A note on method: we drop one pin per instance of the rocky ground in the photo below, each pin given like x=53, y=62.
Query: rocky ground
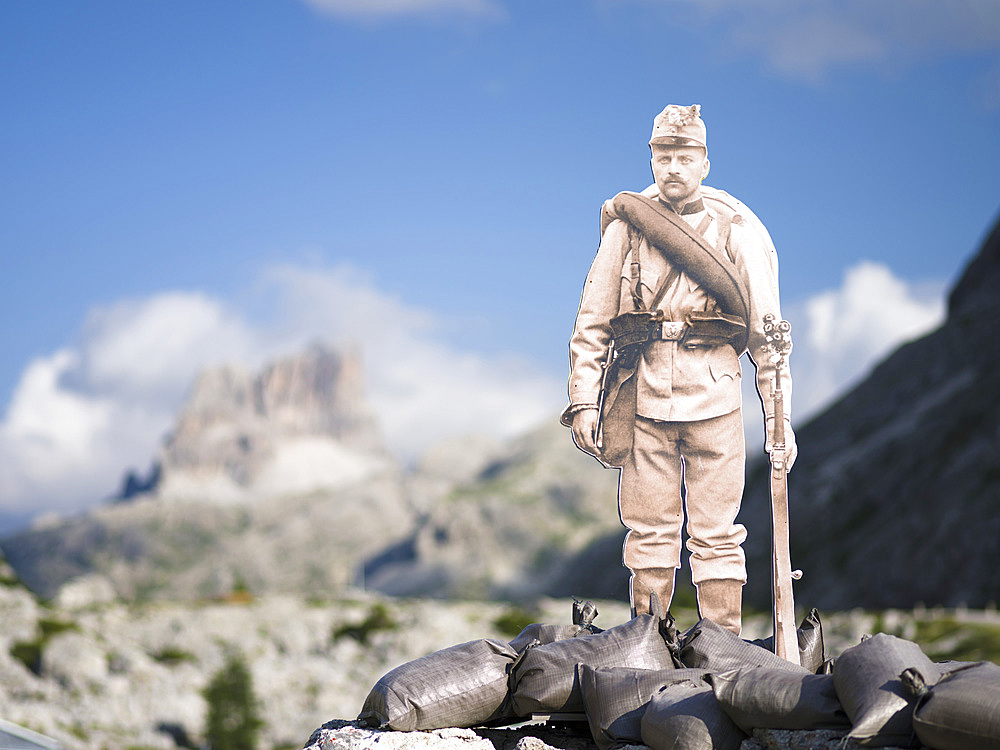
x=345, y=735
x=94, y=672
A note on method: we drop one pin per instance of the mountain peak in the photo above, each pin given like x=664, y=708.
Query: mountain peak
x=301, y=423
x=977, y=288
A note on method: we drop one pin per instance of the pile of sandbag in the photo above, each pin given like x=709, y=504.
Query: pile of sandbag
x=643, y=682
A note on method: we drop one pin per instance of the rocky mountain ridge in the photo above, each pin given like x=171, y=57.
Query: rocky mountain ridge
x=271, y=481
x=895, y=495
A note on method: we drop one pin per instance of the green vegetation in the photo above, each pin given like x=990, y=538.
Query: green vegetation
x=8, y=577
x=51, y=627
x=379, y=618
x=514, y=620
x=943, y=635
x=172, y=655
x=233, y=721
x=949, y=639
x=685, y=595
x=29, y=653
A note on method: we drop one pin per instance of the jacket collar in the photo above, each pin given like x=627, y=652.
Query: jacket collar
x=693, y=207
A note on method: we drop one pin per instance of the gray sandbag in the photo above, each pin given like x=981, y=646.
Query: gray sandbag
x=615, y=698
x=685, y=718
x=809, y=635
x=867, y=678
x=708, y=645
x=460, y=686
x=959, y=712
x=584, y=613
x=543, y=680
x=779, y=699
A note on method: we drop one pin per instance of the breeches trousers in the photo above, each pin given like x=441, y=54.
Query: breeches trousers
x=678, y=467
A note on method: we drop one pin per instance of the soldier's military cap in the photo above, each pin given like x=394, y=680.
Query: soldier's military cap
x=679, y=126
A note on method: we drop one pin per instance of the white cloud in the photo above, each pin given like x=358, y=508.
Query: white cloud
x=83, y=415
x=844, y=332
x=381, y=9
x=839, y=335
x=807, y=38
x=80, y=417
x=421, y=388
x=146, y=350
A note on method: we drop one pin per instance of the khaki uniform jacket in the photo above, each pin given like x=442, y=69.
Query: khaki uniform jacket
x=675, y=383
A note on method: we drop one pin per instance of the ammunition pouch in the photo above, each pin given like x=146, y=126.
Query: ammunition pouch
x=707, y=329
x=632, y=330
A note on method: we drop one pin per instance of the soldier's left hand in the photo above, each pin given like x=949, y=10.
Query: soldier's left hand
x=791, y=449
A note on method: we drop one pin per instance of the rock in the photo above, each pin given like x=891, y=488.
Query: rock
x=20, y=616
x=75, y=661
x=86, y=591
x=345, y=735
x=902, y=470
x=349, y=735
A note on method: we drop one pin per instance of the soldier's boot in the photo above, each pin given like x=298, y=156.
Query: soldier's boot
x=652, y=580
x=721, y=601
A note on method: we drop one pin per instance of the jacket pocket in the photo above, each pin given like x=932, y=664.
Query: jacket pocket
x=723, y=363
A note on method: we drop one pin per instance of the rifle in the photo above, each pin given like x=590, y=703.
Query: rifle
x=785, y=638
x=605, y=366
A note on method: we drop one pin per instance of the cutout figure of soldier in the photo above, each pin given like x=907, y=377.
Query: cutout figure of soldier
x=679, y=288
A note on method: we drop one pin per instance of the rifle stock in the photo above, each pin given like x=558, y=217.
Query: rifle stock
x=786, y=643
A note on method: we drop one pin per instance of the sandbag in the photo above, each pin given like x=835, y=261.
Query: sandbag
x=584, y=613
x=779, y=699
x=615, y=698
x=809, y=635
x=685, y=718
x=961, y=711
x=460, y=686
x=708, y=645
x=867, y=678
x=543, y=680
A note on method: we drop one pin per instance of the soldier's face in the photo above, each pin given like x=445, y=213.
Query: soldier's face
x=678, y=171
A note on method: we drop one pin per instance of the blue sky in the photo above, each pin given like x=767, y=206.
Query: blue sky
x=186, y=183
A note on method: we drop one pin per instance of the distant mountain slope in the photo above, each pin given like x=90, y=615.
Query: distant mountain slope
x=272, y=481
x=515, y=529
x=895, y=497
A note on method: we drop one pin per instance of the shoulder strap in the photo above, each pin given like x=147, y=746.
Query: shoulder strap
x=635, y=270
x=710, y=267
x=670, y=278
x=725, y=231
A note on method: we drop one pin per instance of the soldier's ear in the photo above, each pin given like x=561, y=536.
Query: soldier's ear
x=704, y=171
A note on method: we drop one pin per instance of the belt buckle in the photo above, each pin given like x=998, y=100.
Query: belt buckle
x=672, y=330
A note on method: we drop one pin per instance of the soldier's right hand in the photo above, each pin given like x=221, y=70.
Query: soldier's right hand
x=585, y=430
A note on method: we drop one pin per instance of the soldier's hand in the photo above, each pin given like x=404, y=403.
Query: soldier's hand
x=791, y=449
x=585, y=430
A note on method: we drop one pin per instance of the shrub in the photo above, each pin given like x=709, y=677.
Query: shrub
x=379, y=619
x=172, y=655
x=233, y=721
x=514, y=620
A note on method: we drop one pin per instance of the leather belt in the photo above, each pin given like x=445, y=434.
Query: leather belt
x=671, y=330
